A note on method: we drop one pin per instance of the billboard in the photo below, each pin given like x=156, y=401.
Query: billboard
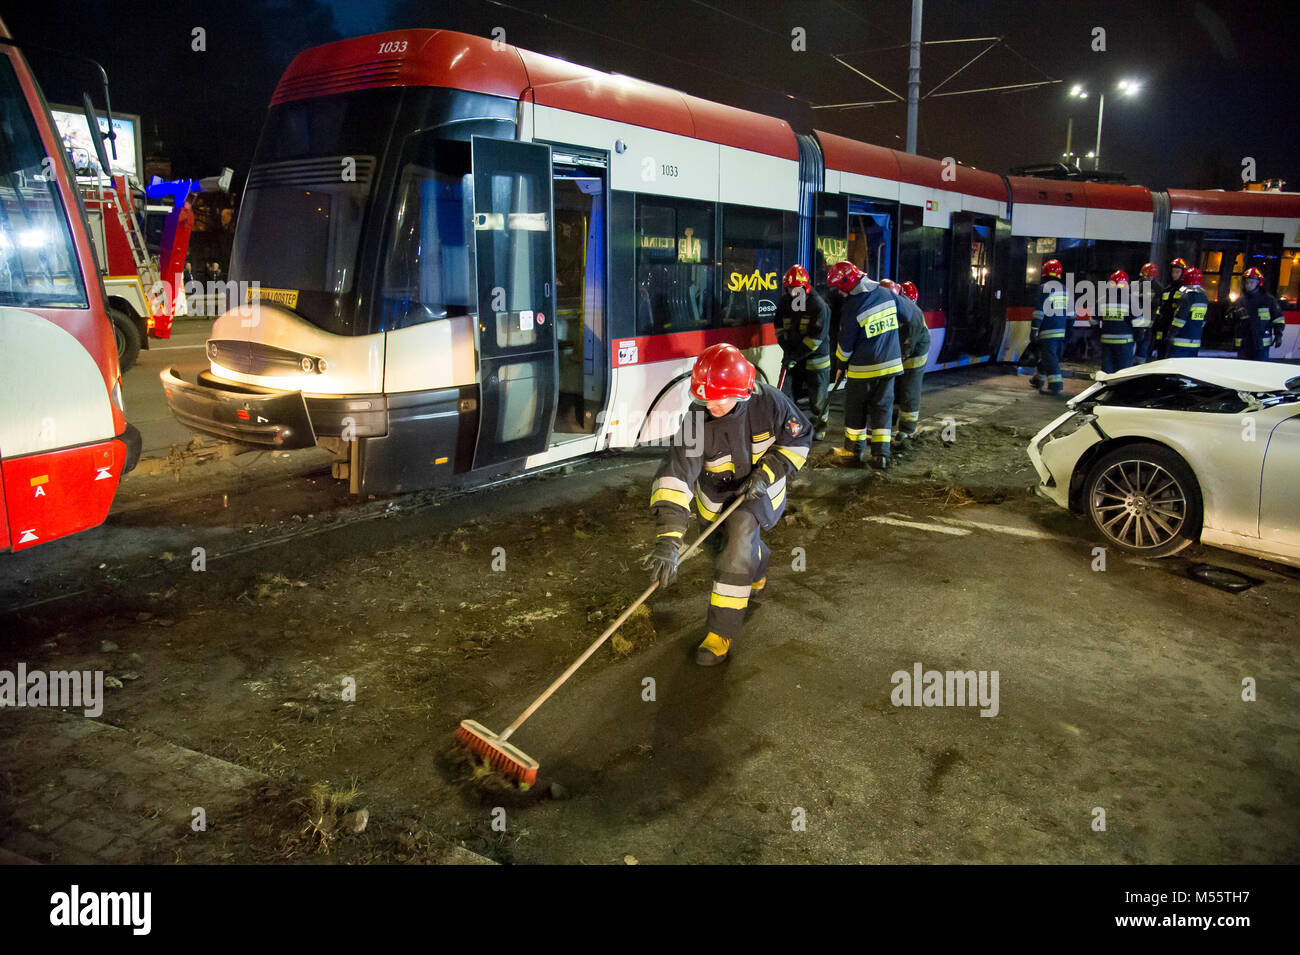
x=71, y=123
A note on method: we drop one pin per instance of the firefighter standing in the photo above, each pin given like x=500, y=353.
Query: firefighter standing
x=1142, y=318
x=914, y=341
x=1169, y=301
x=1049, y=328
x=749, y=439
x=804, y=318
x=1116, y=325
x=1184, y=338
x=869, y=345
x=1260, y=321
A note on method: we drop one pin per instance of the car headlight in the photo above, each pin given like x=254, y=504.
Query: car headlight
x=1071, y=424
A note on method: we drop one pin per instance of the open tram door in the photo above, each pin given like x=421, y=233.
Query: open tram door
x=977, y=306
x=515, y=332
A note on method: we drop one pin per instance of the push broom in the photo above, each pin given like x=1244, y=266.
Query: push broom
x=511, y=761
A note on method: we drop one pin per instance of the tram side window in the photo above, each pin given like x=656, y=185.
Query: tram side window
x=1035, y=252
x=751, y=265
x=1288, y=281
x=429, y=269
x=923, y=259
x=674, y=265
x=38, y=263
x=870, y=235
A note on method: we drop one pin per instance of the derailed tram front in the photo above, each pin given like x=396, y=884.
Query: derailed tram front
x=355, y=281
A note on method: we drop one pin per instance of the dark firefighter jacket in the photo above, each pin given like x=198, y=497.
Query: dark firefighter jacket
x=765, y=431
x=1257, y=315
x=805, y=335
x=1188, y=325
x=1167, y=305
x=913, y=333
x=869, y=333
x=1050, y=318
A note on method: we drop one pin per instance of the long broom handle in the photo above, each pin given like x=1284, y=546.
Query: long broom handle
x=573, y=668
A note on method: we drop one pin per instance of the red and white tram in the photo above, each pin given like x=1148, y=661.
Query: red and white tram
x=472, y=258
x=64, y=439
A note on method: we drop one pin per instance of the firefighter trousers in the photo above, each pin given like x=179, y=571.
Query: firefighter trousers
x=1141, y=345
x=868, y=414
x=813, y=384
x=1116, y=356
x=740, y=560
x=1049, y=364
x=907, y=398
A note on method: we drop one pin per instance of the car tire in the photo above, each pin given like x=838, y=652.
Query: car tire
x=1144, y=499
x=127, y=337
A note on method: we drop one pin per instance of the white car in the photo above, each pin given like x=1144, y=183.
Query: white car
x=1170, y=452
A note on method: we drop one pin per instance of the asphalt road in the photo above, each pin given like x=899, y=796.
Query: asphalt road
x=146, y=406
x=1118, y=732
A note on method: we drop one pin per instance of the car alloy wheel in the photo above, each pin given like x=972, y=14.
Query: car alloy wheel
x=1139, y=505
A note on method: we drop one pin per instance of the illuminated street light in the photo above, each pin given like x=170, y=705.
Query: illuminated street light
x=1127, y=88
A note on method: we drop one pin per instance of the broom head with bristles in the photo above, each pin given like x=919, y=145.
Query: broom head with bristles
x=510, y=761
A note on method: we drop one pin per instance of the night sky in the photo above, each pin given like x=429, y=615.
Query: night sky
x=1215, y=74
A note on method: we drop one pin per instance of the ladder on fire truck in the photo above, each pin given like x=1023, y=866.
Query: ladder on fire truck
x=144, y=266
x=126, y=218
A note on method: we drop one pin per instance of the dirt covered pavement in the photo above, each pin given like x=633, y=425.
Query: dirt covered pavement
x=332, y=668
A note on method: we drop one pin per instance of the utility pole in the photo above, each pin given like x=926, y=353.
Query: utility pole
x=1069, y=135
x=914, y=77
x=1101, y=105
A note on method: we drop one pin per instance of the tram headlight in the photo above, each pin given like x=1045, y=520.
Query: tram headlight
x=308, y=366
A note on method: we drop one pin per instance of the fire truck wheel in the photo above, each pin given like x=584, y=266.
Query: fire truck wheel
x=127, y=337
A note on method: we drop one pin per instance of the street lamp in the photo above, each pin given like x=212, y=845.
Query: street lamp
x=1126, y=88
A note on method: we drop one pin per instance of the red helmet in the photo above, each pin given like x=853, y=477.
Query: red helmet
x=1119, y=277
x=1179, y=263
x=843, y=276
x=797, y=275
x=911, y=291
x=720, y=372
x=1192, y=276
x=891, y=285
x=1253, y=273
x=1150, y=271
x=1052, y=269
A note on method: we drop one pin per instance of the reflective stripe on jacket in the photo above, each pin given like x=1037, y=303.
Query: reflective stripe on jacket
x=1050, y=317
x=805, y=335
x=1186, y=328
x=711, y=458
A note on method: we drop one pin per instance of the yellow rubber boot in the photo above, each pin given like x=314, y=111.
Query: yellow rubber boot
x=712, y=651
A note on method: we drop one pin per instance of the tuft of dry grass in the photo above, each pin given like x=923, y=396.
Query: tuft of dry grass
x=325, y=806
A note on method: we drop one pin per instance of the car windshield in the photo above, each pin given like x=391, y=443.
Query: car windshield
x=38, y=262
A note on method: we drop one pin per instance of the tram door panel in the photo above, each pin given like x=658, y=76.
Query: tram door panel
x=997, y=287
x=970, y=287
x=579, y=296
x=513, y=225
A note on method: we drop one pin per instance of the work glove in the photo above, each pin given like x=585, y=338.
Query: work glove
x=1277, y=339
x=756, y=485
x=662, y=561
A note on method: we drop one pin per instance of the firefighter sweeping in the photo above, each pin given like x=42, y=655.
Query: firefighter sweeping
x=754, y=439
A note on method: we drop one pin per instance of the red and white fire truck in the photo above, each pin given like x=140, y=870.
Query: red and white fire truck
x=114, y=208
